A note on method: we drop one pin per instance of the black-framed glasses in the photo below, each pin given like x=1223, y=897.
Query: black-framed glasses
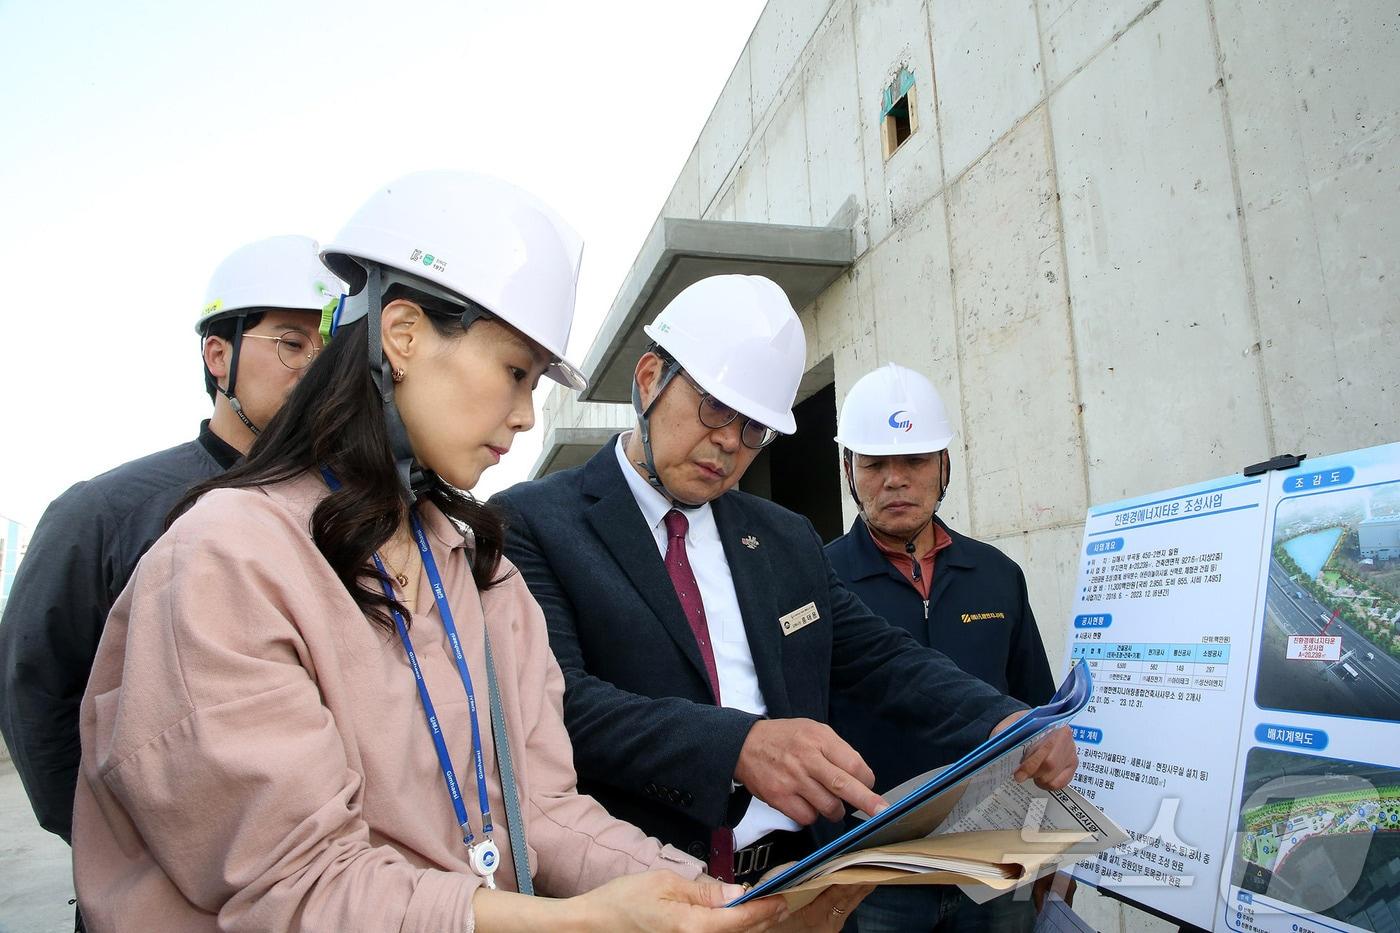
x=294, y=349
x=715, y=414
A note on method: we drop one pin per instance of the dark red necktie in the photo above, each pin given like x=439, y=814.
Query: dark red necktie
x=721, y=861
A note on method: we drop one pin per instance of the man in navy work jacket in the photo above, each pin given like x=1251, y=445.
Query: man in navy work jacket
x=701, y=631
x=949, y=591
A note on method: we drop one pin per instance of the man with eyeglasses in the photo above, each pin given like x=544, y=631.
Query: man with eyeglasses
x=701, y=631
x=259, y=331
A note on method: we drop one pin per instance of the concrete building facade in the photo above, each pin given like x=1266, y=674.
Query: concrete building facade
x=1379, y=538
x=1136, y=243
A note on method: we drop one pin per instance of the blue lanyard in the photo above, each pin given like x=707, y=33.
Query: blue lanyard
x=484, y=856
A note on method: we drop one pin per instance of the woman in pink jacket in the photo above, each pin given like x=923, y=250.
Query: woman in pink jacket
x=306, y=708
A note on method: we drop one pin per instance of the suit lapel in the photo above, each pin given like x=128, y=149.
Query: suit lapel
x=618, y=522
x=753, y=585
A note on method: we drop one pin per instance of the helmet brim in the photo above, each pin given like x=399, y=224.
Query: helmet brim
x=567, y=375
x=894, y=450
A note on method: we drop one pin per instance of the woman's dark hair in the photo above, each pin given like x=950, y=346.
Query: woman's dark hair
x=334, y=418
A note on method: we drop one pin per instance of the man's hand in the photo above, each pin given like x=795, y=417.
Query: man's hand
x=804, y=769
x=1051, y=761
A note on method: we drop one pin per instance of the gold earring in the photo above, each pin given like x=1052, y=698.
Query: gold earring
x=397, y=375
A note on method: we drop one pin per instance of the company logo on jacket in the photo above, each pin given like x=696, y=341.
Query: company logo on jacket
x=981, y=616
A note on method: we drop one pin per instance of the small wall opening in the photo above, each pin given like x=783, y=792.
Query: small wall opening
x=796, y=470
x=900, y=117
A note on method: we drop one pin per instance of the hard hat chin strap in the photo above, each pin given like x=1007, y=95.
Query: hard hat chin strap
x=228, y=393
x=414, y=481
x=644, y=431
x=233, y=403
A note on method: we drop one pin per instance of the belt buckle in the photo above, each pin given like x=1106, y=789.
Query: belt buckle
x=743, y=861
x=753, y=858
x=762, y=855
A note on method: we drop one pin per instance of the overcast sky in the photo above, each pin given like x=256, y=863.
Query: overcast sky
x=144, y=141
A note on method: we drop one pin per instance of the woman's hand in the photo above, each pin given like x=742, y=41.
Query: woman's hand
x=660, y=902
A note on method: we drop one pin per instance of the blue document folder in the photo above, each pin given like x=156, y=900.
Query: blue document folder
x=908, y=818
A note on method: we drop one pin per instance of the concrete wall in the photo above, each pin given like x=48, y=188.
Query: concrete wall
x=1137, y=243
x=562, y=408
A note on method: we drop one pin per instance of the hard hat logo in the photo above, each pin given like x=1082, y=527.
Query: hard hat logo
x=212, y=307
x=907, y=424
x=427, y=259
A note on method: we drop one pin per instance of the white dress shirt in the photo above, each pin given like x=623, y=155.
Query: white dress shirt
x=738, y=682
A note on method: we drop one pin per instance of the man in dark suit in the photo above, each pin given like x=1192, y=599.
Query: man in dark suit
x=701, y=631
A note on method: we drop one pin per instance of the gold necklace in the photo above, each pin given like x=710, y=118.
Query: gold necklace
x=399, y=576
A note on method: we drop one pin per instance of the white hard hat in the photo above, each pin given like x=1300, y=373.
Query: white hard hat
x=739, y=338
x=476, y=237
x=893, y=411
x=278, y=272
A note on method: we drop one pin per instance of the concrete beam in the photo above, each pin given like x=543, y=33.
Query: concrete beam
x=568, y=447
x=679, y=252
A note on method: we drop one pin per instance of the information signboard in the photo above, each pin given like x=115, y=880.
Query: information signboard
x=1244, y=638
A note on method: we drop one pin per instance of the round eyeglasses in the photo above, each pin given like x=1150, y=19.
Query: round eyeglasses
x=294, y=349
x=716, y=414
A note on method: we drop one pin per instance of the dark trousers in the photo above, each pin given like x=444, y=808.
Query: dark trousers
x=940, y=909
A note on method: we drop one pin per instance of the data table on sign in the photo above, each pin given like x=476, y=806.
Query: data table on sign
x=1204, y=666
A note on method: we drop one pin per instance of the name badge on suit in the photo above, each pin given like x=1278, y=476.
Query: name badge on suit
x=799, y=618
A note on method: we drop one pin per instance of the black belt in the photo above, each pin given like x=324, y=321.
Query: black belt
x=778, y=847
